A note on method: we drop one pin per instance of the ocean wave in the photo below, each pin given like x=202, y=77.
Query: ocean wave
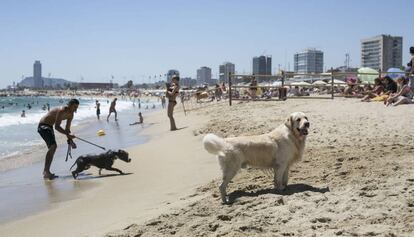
x=85, y=110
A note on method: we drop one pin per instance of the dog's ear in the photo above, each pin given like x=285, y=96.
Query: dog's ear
x=289, y=122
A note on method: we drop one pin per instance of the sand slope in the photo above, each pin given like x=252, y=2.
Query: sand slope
x=356, y=177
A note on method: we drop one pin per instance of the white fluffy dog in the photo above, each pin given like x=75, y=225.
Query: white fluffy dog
x=276, y=150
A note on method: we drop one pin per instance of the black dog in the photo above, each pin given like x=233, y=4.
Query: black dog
x=102, y=161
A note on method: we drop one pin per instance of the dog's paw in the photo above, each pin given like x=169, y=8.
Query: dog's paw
x=280, y=188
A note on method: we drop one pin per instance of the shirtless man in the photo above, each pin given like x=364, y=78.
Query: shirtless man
x=53, y=119
x=171, y=93
x=98, y=108
x=112, y=109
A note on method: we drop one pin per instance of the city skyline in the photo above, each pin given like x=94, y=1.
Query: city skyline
x=137, y=40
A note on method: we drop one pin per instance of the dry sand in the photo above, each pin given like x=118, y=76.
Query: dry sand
x=356, y=177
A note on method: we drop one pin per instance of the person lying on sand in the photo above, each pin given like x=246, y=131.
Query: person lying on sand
x=53, y=119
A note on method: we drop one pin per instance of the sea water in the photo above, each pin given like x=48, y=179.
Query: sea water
x=19, y=135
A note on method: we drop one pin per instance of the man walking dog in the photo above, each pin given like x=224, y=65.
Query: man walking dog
x=53, y=119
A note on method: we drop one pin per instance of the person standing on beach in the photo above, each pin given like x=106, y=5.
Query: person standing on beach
x=163, y=102
x=112, y=109
x=23, y=115
x=411, y=68
x=253, y=88
x=172, y=93
x=53, y=119
x=98, y=108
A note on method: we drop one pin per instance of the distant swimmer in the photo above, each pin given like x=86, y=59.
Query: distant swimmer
x=23, y=115
x=48, y=106
x=98, y=108
x=53, y=119
x=113, y=110
x=141, y=120
x=163, y=102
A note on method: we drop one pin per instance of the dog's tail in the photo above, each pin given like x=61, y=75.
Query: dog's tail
x=214, y=144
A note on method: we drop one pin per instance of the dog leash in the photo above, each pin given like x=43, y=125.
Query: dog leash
x=103, y=148
x=69, y=152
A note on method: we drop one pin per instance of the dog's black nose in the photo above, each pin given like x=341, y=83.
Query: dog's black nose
x=307, y=124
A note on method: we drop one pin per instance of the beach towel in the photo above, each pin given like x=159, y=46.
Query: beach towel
x=380, y=98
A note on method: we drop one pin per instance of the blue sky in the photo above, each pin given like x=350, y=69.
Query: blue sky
x=134, y=40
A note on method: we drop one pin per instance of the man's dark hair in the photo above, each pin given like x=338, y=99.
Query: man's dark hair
x=412, y=50
x=73, y=102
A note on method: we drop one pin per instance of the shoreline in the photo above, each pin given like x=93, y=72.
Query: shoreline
x=25, y=180
x=145, y=192
x=14, y=160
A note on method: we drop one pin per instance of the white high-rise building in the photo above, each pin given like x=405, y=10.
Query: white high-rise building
x=224, y=71
x=382, y=52
x=308, y=61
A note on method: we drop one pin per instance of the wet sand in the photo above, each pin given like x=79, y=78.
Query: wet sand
x=23, y=191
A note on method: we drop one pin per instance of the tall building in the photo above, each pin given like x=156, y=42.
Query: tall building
x=187, y=82
x=224, y=71
x=204, y=75
x=37, y=81
x=171, y=73
x=382, y=52
x=262, y=66
x=37, y=74
x=308, y=61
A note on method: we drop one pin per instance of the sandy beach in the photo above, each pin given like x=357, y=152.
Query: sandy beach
x=355, y=179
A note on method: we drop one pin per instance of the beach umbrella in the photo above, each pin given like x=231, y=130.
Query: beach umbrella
x=394, y=73
x=336, y=81
x=321, y=83
x=277, y=83
x=300, y=83
x=368, y=78
x=351, y=79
